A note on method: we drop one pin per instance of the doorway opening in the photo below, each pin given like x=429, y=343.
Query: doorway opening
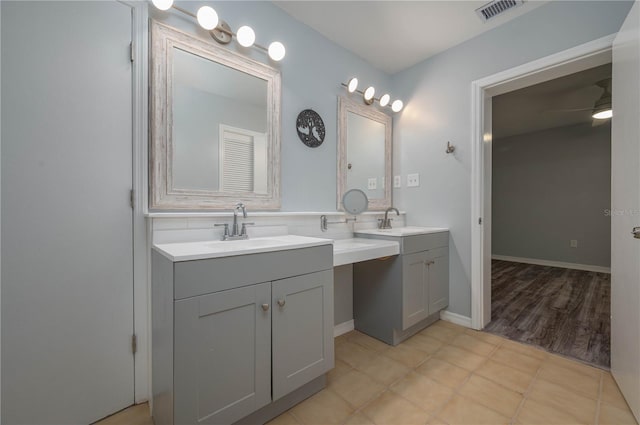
x=593, y=55
x=551, y=234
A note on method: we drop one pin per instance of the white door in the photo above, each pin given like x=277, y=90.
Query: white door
x=625, y=205
x=67, y=261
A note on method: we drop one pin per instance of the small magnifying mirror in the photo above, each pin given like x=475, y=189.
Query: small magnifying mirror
x=355, y=201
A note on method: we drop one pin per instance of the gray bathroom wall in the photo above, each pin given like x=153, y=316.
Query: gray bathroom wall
x=438, y=109
x=550, y=187
x=312, y=72
x=343, y=293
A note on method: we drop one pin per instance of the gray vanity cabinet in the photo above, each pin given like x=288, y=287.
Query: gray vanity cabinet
x=240, y=338
x=396, y=297
x=425, y=285
x=302, y=326
x=227, y=328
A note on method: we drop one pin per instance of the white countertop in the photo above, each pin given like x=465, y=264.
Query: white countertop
x=402, y=231
x=188, y=251
x=347, y=251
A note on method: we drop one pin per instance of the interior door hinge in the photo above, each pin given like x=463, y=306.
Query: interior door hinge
x=480, y=220
x=134, y=344
x=132, y=198
x=131, y=52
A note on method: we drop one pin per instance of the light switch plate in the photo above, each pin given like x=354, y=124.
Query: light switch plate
x=574, y=243
x=413, y=180
x=373, y=183
x=397, y=181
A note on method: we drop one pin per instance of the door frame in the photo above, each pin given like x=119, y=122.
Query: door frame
x=575, y=59
x=141, y=243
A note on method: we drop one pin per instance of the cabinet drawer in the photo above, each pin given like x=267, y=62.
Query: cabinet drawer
x=418, y=243
x=193, y=278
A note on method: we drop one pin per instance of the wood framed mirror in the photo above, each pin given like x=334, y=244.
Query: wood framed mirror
x=215, y=126
x=364, y=152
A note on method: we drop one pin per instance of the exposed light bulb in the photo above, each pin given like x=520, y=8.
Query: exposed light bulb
x=397, y=105
x=276, y=51
x=207, y=18
x=384, y=100
x=163, y=4
x=368, y=95
x=246, y=36
x=603, y=115
x=352, y=85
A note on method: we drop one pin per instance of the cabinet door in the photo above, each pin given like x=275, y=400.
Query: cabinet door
x=415, y=294
x=302, y=330
x=222, y=358
x=438, y=269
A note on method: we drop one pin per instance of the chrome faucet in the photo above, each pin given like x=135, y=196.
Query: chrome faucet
x=239, y=207
x=235, y=235
x=385, y=223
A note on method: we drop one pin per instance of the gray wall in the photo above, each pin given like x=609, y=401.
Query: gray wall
x=366, y=151
x=312, y=72
x=197, y=116
x=438, y=108
x=550, y=187
x=342, y=293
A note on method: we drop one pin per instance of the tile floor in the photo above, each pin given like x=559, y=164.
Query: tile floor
x=448, y=374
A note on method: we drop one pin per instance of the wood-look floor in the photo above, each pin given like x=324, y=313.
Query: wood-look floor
x=563, y=311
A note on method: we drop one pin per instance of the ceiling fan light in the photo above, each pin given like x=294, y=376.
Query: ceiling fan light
x=603, y=115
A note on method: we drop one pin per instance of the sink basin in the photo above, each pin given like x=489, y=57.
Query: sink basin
x=188, y=251
x=241, y=244
x=402, y=231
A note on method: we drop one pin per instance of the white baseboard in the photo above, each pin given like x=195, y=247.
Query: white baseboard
x=343, y=328
x=455, y=318
x=575, y=266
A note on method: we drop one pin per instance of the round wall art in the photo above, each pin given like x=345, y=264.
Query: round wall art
x=310, y=128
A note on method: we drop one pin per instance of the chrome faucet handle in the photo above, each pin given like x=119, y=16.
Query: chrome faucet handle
x=380, y=223
x=240, y=206
x=226, y=228
x=243, y=231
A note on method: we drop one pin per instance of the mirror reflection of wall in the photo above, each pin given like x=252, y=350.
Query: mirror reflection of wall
x=366, y=155
x=364, y=152
x=219, y=127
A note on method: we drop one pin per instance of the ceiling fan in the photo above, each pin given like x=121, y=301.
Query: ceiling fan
x=601, y=110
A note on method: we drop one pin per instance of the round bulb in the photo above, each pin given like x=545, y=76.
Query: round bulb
x=276, y=51
x=369, y=93
x=384, y=100
x=603, y=115
x=246, y=36
x=397, y=105
x=207, y=18
x=352, y=85
x=163, y=4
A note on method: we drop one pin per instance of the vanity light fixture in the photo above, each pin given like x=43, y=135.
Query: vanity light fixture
x=220, y=31
x=368, y=96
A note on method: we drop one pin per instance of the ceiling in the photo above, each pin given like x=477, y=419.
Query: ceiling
x=394, y=35
x=547, y=105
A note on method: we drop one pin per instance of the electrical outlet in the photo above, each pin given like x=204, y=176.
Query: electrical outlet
x=413, y=180
x=397, y=181
x=574, y=243
x=382, y=182
x=373, y=183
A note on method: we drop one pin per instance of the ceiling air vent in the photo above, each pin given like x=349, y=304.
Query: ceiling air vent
x=496, y=7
